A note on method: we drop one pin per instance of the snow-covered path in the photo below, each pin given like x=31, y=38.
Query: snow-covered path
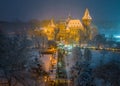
x=69, y=62
x=47, y=63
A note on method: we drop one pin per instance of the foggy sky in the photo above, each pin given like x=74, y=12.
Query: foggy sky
x=25, y=10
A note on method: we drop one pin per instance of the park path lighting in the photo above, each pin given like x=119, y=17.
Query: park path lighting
x=45, y=80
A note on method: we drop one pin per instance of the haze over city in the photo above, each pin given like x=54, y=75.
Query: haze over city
x=59, y=43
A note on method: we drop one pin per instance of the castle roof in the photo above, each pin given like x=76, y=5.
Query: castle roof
x=75, y=23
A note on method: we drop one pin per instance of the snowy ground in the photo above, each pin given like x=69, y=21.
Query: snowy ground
x=46, y=60
x=97, y=57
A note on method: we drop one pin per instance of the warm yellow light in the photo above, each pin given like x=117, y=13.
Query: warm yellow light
x=54, y=61
x=45, y=30
x=50, y=58
x=45, y=78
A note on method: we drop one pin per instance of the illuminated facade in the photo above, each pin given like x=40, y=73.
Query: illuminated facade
x=70, y=30
x=49, y=30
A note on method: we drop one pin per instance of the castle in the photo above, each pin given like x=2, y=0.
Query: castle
x=71, y=30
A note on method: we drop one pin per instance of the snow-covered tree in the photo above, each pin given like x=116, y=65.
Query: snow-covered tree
x=109, y=72
x=17, y=59
x=85, y=76
x=87, y=54
x=81, y=72
x=99, y=40
x=77, y=54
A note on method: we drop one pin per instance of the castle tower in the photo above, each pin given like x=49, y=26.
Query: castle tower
x=68, y=18
x=86, y=18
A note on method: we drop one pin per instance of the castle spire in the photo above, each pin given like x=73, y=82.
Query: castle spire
x=87, y=15
x=87, y=18
x=69, y=15
x=68, y=18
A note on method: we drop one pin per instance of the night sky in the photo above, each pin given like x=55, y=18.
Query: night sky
x=25, y=10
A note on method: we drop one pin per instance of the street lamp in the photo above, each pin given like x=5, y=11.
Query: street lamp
x=45, y=79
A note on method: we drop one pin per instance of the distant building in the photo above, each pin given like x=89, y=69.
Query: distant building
x=49, y=30
x=71, y=30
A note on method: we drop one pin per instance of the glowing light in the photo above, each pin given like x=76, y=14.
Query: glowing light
x=50, y=58
x=54, y=61
x=117, y=36
x=45, y=78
